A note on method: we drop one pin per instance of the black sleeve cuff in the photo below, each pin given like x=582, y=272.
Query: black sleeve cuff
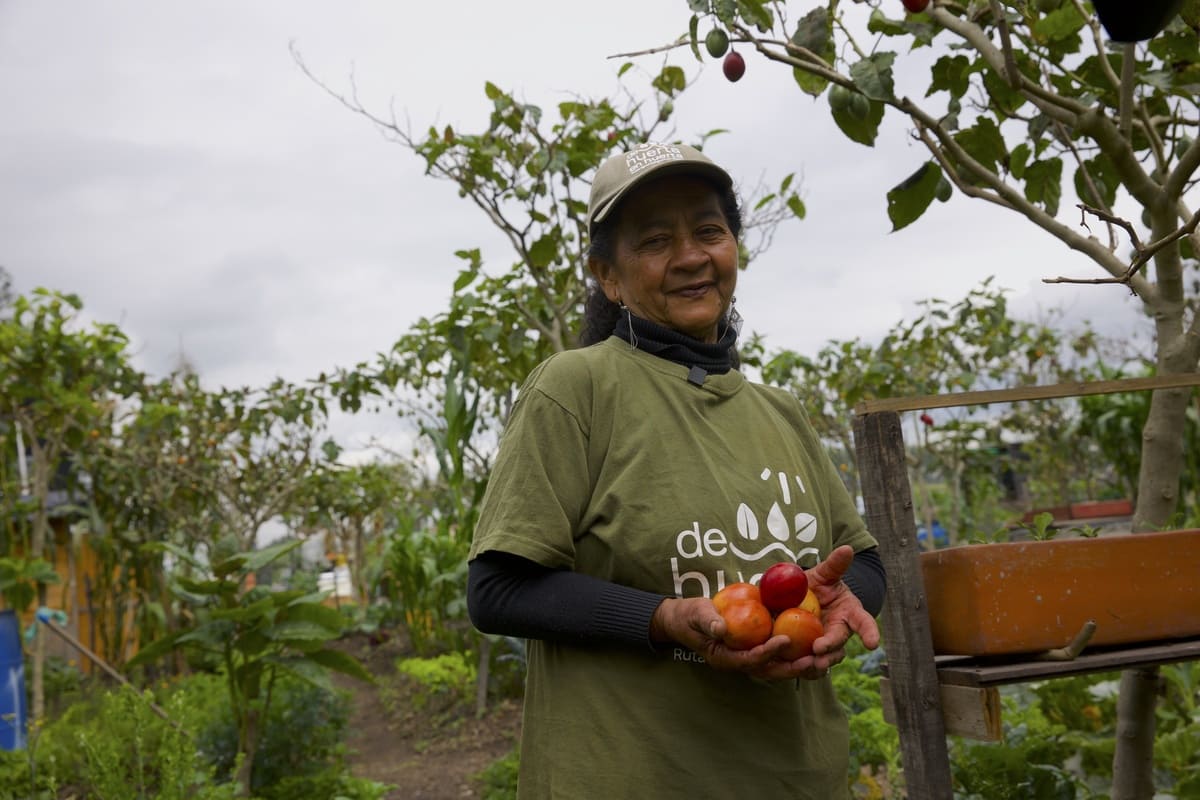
x=868, y=580
x=514, y=596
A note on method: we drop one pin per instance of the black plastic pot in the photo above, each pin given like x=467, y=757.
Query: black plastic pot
x=1135, y=20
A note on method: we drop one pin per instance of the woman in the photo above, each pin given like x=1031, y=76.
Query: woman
x=635, y=478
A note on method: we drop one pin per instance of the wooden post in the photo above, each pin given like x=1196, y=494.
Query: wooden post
x=887, y=496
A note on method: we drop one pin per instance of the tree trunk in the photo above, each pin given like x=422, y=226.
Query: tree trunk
x=1133, y=761
x=1162, y=459
x=42, y=471
x=248, y=747
x=1157, y=498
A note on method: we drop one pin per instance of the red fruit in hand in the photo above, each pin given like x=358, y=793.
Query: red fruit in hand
x=802, y=629
x=747, y=624
x=783, y=585
x=733, y=593
x=916, y=6
x=734, y=65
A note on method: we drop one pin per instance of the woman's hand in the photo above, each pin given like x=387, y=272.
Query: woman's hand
x=695, y=624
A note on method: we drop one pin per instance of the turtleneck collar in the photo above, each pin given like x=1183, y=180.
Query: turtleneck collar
x=716, y=358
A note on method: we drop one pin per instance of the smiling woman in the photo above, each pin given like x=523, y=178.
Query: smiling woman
x=638, y=476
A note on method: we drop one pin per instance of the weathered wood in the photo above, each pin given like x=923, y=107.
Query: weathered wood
x=889, y=514
x=1017, y=394
x=962, y=671
x=970, y=711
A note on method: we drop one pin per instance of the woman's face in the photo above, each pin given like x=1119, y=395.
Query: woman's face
x=675, y=260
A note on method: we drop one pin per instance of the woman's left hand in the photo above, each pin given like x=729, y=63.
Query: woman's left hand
x=842, y=615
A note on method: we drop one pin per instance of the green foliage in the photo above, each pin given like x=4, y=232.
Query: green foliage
x=19, y=580
x=974, y=343
x=329, y=784
x=258, y=635
x=115, y=747
x=301, y=740
x=446, y=680
x=498, y=780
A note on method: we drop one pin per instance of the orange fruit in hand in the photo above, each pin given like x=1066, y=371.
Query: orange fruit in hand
x=733, y=593
x=802, y=629
x=747, y=624
x=811, y=604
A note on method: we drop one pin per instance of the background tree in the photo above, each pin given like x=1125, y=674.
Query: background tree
x=1025, y=104
x=58, y=382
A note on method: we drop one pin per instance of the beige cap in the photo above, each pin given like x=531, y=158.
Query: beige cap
x=619, y=174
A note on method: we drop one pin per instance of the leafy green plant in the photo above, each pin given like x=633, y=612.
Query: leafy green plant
x=446, y=680
x=257, y=635
x=20, y=579
x=1041, y=527
x=498, y=780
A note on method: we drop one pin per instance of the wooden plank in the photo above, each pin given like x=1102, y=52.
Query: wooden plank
x=982, y=673
x=883, y=470
x=1057, y=390
x=970, y=711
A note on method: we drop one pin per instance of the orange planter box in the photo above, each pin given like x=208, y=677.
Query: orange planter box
x=1025, y=597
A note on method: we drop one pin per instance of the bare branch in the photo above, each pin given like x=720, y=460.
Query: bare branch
x=1142, y=254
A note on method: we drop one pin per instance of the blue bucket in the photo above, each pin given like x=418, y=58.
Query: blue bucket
x=12, y=683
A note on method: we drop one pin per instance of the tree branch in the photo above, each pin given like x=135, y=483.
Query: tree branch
x=1142, y=253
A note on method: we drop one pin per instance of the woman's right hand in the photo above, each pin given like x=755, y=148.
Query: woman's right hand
x=694, y=623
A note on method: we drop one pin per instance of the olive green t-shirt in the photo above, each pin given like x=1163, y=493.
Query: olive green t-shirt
x=614, y=465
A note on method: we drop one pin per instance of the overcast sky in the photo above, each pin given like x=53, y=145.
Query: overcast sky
x=170, y=163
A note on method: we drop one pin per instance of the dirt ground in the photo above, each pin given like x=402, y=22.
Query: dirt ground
x=426, y=751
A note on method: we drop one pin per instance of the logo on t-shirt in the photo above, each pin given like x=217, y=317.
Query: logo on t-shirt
x=758, y=542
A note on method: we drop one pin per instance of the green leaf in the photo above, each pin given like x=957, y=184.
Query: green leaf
x=873, y=76
x=880, y=23
x=294, y=631
x=858, y=130
x=205, y=588
x=306, y=670
x=909, y=200
x=251, y=613
x=1060, y=24
x=1018, y=159
x=329, y=618
x=1103, y=176
x=492, y=90
x=693, y=36
x=814, y=31
x=1043, y=183
x=796, y=205
x=809, y=83
x=543, y=251
x=260, y=558
x=341, y=662
x=464, y=280
x=951, y=74
x=756, y=13
x=672, y=79
x=983, y=142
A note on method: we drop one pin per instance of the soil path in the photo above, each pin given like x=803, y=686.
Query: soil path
x=426, y=752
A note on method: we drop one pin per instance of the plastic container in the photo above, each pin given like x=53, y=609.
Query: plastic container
x=12, y=683
x=1025, y=597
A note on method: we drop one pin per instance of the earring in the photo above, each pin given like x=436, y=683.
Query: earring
x=732, y=317
x=629, y=322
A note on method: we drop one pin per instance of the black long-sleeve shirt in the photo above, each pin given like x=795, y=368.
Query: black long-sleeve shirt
x=511, y=595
